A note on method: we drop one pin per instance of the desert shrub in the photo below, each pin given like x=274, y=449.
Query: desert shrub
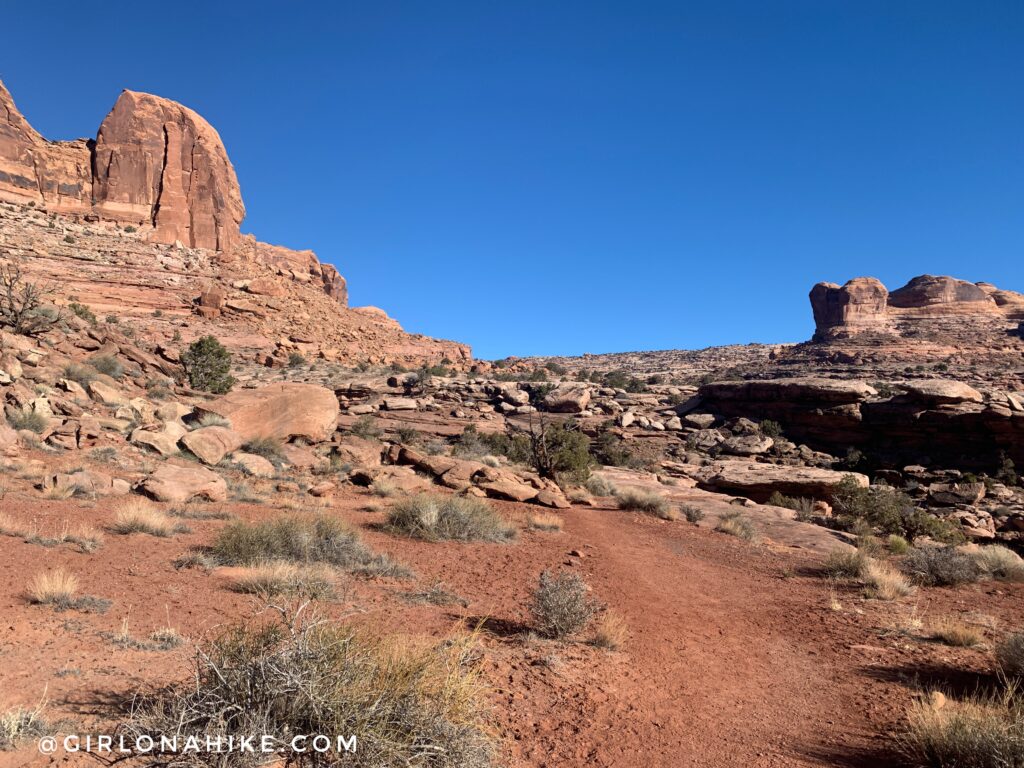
x=24, y=304
x=888, y=510
x=941, y=566
x=1010, y=655
x=23, y=418
x=610, y=450
x=433, y=516
x=844, y=564
x=315, y=539
x=691, y=513
x=83, y=312
x=770, y=428
x=366, y=427
x=637, y=500
x=107, y=365
x=897, y=545
x=560, y=605
x=600, y=487
x=803, y=507
x=882, y=581
x=986, y=731
x=216, y=420
x=82, y=374
x=130, y=229
x=21, y=724
x=269, y=448
x=999, y=562
x=408, y=435
x=560, y=450
x=737, y=524
x=296, y=359
x=383, y=488
x=409, y=704
x=208, y=366
x=139, y=516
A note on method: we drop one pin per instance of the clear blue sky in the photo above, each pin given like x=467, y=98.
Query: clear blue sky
x=568, y=177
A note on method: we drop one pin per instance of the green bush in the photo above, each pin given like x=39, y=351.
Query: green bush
x=83, y=312
x=296, y=360
x=888, y=510
x=366, y=427
x=610, y=450
x=269, y=448
x=208, y=366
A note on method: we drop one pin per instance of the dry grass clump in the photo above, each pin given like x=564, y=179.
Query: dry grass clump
x=999, y=562
x=383, y=488
x=56, y=587
x=212, y=420
x=844, y=564
x=545, y=521
x=1010, y=655
x=408, y=704
x=600, y=487
x=933, y=566
x=983, y=732
x=436, y=594
x=952, y=631
x=882, y=581
x=897, y=544
x=561, y=605
x=692, y=514
x=611, y=631
x=20, y=724
x=140, y=516
x=637, y=500
x=461, y=518
x=308, y=539
x=281, y=578
x=10, y=528
x=737, y=524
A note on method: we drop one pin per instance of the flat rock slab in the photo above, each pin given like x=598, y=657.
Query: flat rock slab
x=758, y=481
x=176, y=484
x=281, y=411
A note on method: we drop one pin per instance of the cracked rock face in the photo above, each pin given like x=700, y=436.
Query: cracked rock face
x=154, y=162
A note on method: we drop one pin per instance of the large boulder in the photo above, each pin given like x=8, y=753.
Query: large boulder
x=940, y=391
x=941, y=291
x=176, y=484
x=280, y=411
x=567, y=398
x=211, y=444
x=758, y=481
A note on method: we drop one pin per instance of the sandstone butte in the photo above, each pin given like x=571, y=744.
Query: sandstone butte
x=158, y=175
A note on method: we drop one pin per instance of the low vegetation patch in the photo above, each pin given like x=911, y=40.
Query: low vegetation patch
x=269, y=448
x=208, y=366
x=23, y=418
x=433, y=517
x=844, y=564
x=600, y=487
x=691, y=513
x=737, y=524
x=1010, y=655
x=59, y=588
x=999, y=562
x=20, y=725
x=545, y=521
x=637, y=500
x=611, y=631
x=561, y=605
x=410, y=705
x=985, y=731
x=310, y=539
x=139, y=516
x=932, y=566
x=949, y=630
x=283, y=578
x=883, y=582
x=887, y=510
x=108, y=365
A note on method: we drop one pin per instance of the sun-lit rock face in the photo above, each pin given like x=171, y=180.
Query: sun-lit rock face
x=863, y=304
x=160, y=162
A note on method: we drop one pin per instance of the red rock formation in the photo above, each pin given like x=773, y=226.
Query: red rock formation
x=857, y=306
x=945, y=293
x=159, y=162
x=155, y=164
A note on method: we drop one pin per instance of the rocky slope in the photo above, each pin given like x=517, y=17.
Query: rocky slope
x=142, y=223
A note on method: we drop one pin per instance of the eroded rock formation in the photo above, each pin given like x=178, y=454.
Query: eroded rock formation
x=154, y=165
x=864, y=305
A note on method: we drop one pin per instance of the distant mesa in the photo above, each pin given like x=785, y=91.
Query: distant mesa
x=865, y=305
x=154, y=164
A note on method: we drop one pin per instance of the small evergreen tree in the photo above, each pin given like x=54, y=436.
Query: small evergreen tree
x=208, y=366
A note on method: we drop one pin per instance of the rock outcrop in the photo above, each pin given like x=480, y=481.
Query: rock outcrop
x=155, y=165
x=158, y=162
x=858, y=305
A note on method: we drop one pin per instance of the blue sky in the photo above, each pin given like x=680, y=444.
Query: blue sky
x=569, y=177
